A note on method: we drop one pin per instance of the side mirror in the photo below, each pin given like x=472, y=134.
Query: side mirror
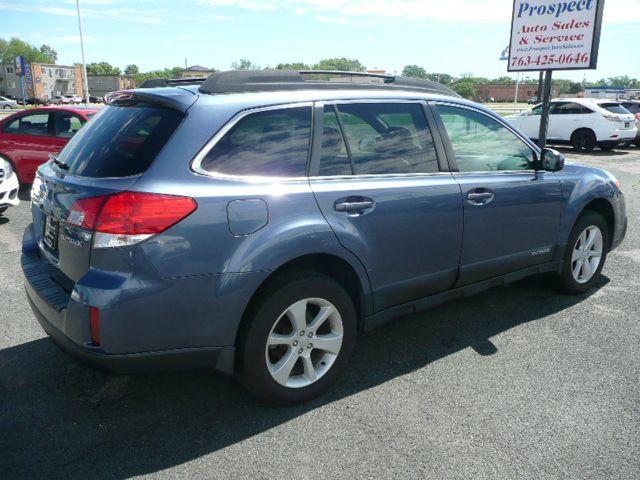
x=551, y=160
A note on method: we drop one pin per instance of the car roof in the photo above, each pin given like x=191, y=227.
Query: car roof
x=79, y=109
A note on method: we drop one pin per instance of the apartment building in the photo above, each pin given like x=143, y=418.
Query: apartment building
x=41, y=81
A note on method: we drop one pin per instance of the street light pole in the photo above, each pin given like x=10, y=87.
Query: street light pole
x=84, y=65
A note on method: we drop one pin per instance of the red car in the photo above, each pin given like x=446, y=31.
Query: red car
x=28, y=137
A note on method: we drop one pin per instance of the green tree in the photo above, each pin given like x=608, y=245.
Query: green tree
x=443, y=78
x=15, y=47
x=465, y=88
x=292, y=66
x=623, y=81
x=50, y=53
x=414, y=71
x=172, y=72
x=244, y=64
x=340, y=64
x=102, y=68
x=131, y=69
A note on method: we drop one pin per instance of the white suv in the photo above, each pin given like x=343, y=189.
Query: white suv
x=583, y=123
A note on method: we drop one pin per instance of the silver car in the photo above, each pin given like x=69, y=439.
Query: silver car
x=7, y=104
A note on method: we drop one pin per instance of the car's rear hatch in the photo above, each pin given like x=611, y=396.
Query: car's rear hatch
x=105, y=157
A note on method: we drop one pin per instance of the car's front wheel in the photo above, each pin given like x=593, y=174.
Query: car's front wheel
x=297, y=338
x=585, y=254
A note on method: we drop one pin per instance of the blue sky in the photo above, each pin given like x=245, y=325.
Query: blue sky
x=453, y=36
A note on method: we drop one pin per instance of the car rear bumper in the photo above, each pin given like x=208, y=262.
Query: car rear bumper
x=65, y=317
x=9, y=191
x=218, y=358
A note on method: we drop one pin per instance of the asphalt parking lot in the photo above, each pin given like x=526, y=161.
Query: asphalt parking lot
x=518, y=382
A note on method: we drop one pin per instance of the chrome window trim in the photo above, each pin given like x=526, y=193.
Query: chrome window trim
x=196, y=163
x=500, y=121
x=379, y=175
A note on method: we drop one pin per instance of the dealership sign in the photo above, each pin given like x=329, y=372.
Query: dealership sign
x=555, y=35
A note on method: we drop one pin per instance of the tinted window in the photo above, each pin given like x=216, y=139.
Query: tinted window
x=632, y=107
x=36, y=124
x=481, y=143
x=537, y=110
x=615, y=108
x=387, y=138
x=334, y=159
x=272, y=143
x=568, y=108
x=120, y=141
x=66, y=124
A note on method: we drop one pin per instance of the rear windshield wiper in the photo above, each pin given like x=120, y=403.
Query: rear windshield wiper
x=58, y=162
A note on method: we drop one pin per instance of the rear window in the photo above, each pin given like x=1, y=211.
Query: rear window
x=120, y=141
x=273, y=143
x=615, y=108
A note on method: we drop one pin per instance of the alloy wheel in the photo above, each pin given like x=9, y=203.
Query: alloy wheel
x=304, y=342
x=587, y=254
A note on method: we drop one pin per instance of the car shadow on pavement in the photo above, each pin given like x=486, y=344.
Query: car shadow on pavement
x=62, y=419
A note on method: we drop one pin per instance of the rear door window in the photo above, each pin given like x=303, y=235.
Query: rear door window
x=615, y=108
x=272, y=143
x=388, y=138
x=334, y=159
x=35, y=125
x=120, y=141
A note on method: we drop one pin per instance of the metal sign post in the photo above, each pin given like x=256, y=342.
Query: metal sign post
x=546, y=103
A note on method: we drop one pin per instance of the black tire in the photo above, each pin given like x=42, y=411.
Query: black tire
x=566, y=282
x=278, y=296
x=583, y=140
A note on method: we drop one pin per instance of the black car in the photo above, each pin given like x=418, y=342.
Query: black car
x=634, y=107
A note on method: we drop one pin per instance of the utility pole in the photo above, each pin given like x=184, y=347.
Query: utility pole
x=84, y=65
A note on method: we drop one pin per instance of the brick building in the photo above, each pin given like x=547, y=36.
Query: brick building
x=42, y=80
x=196, y=71
x=506, y=93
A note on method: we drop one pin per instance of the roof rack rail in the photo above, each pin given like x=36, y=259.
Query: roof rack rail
x=171, y=82
x=242, y=81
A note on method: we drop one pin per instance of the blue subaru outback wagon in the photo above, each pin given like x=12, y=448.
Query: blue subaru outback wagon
x=256, y=222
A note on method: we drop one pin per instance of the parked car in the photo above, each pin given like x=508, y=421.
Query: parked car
x=634, y=107
x=532, y=100
x=583, y=123
x=59, y=100
x=8, y=186
x=7, y=104
x=28, y=137
x=72, y=98
x=93, y=99
x=260, y=232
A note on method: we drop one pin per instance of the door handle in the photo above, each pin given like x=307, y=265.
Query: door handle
x=479, y=198
x=354, y=206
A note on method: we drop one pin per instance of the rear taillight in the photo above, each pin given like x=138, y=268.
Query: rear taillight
x=94, y=325
x=127, y=218
x=638, y=117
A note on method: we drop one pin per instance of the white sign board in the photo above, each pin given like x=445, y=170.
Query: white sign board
x=555, y=34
